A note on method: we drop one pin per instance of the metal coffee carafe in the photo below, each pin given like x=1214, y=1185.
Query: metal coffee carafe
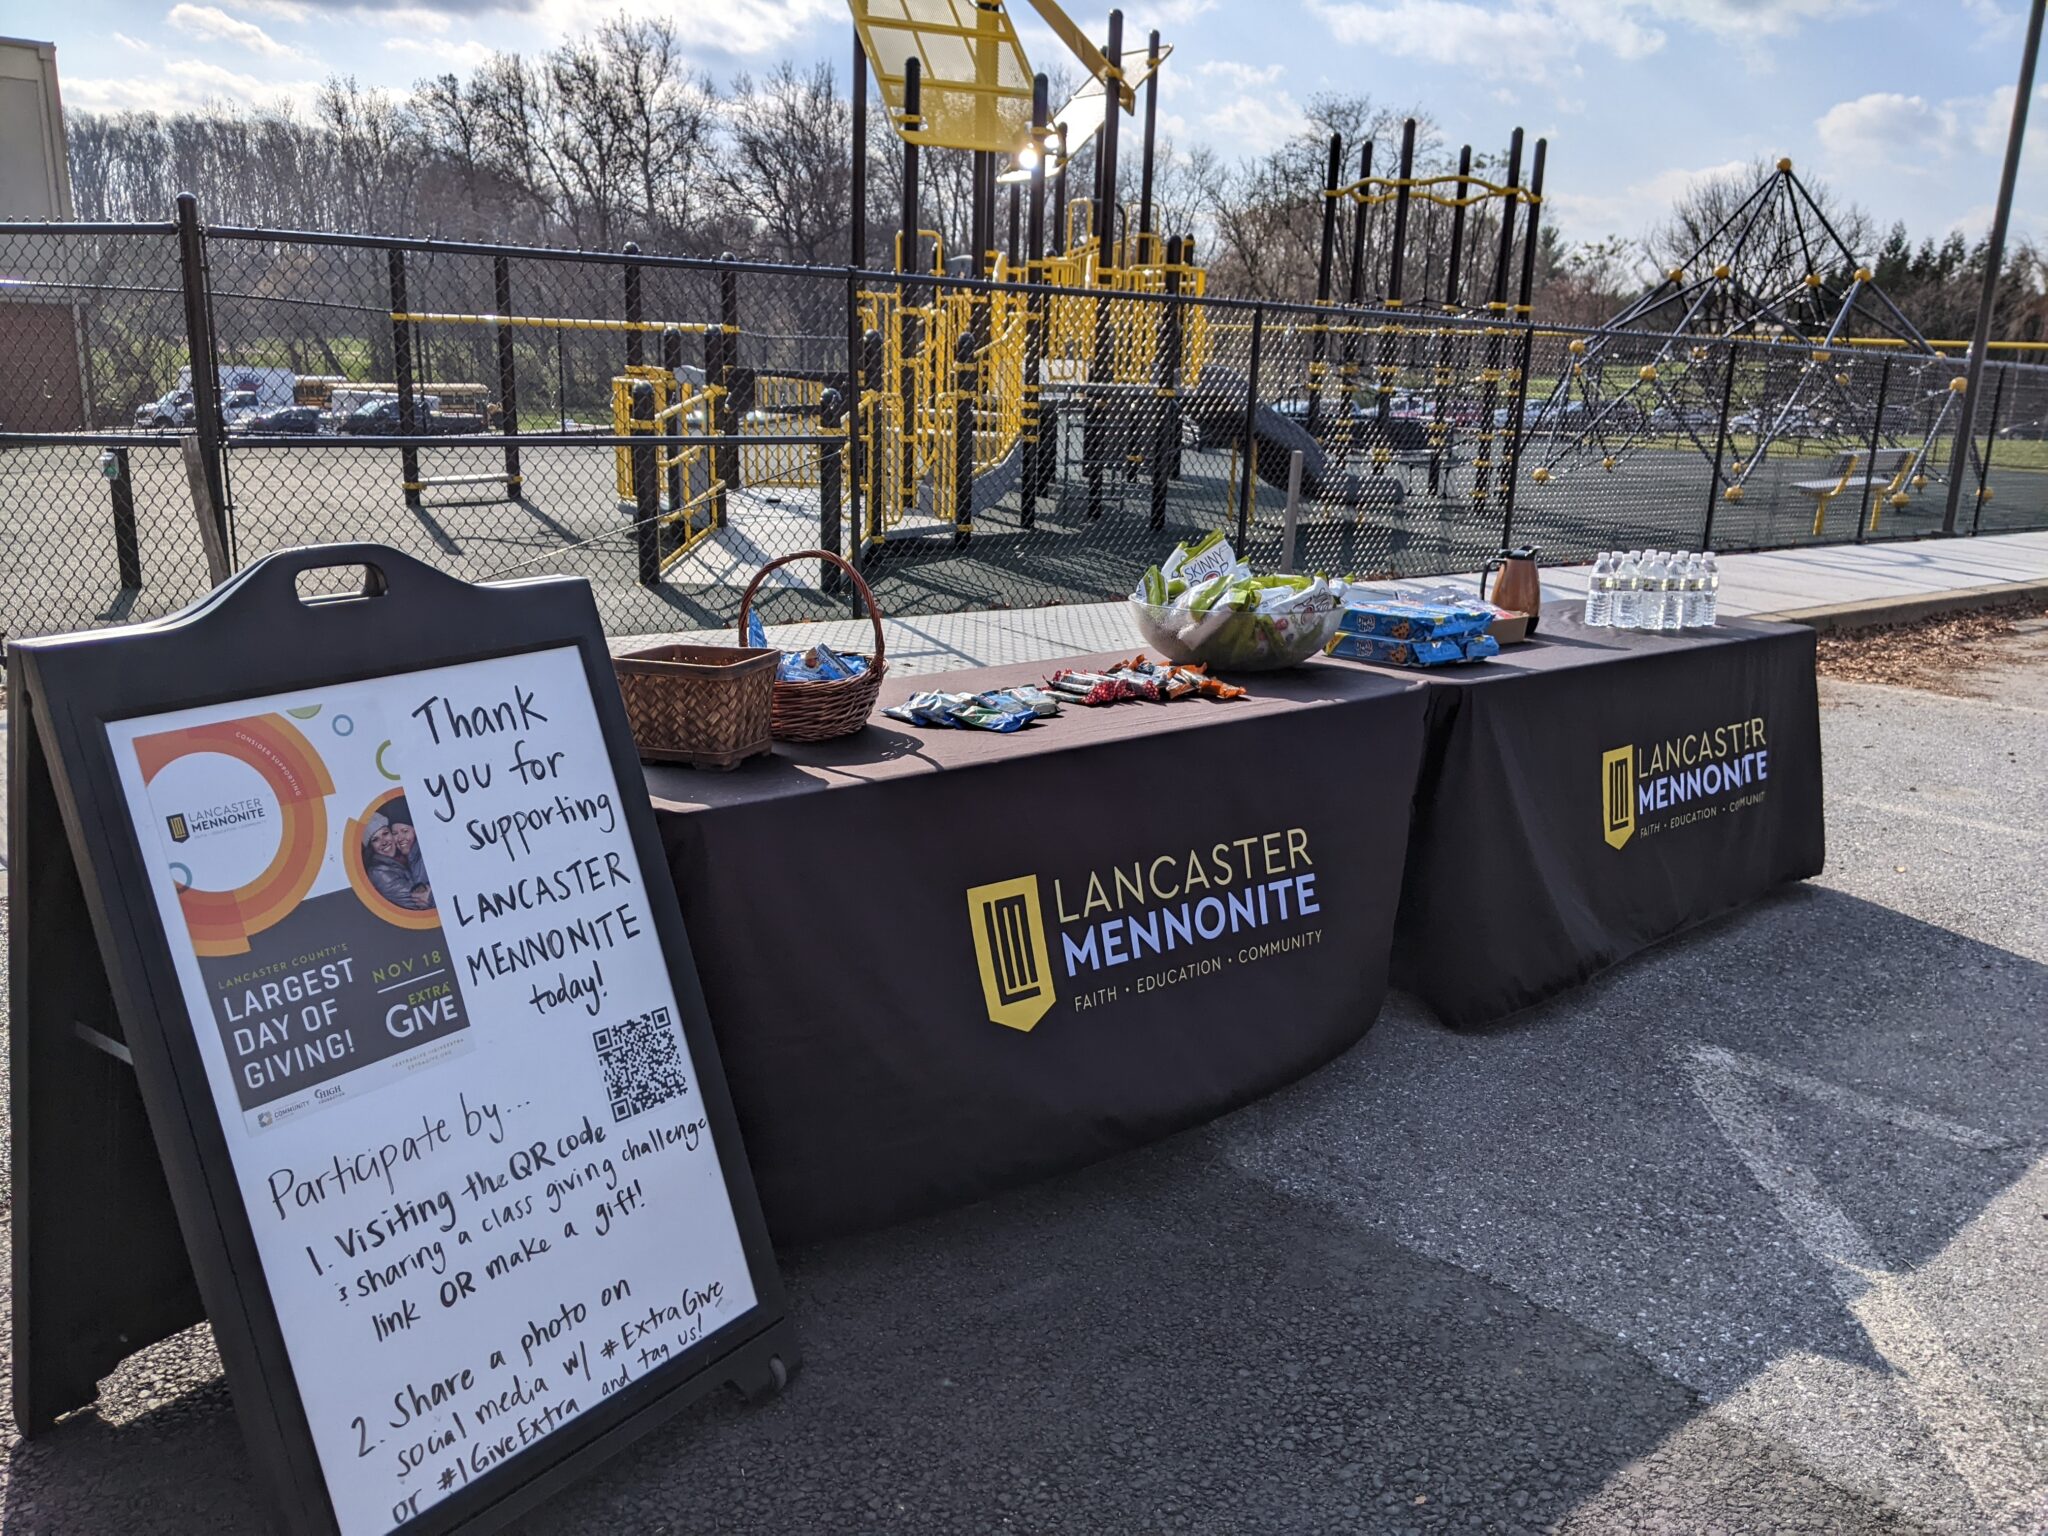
x=1517, y=589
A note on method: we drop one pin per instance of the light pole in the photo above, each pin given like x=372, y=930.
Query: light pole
x=1994, y=259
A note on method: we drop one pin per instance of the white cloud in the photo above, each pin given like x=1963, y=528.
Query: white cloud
x=282, y=10
x=215, y=25
x=1885, y=126
x=741, y=28
x=1533, y=39
x=134, y=44
x=185, y=85
x=1632, y=209
x=408, y=19
x=460, y=57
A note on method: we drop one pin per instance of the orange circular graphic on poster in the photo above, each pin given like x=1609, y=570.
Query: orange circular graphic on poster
x=381, y=852
x=293, y=784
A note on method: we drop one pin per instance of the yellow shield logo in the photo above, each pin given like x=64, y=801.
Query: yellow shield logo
x=179, y=831
x=1618, y=795
x=1009, y=950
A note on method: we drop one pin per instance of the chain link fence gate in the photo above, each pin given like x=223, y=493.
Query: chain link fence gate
x=663, y=427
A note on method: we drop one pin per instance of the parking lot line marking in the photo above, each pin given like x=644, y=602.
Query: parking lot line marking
x=1968, y=1429
x=1929, y=813
x=1903, y=1116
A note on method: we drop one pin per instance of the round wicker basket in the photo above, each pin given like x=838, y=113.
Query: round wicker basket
x=821, y=711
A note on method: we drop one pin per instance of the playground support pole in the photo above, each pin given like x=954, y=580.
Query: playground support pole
x=858, y=228
x=1035, y=444
x=205, y=369
x=1490, y=433
x=871, y=376
x=1439, y=430
x=1059, y=207
x=1720, y=449
x=401, y=378
x=965, y=393
x=1015, y=230
x=1994, y=259
x=1165, y=387
x=1180, y=253
x=1863, y=508
x=831, y=473
x=1524, y=292
x=906, y=261
x=646, y=486
x=508, y=375
x=856, y=419
x=1151, y=137
x=672, y=360
x=1990, y=442
x=1326, y=256
x=1383, y=389
x=1105, y=177
x=1249, y=462
x=717, y=417
x=636, y=312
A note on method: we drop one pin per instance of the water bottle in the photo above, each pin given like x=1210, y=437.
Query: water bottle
x=1711, y=580
x=1672, y=614
x=1653, y=588
x=1695, y=592
x=1600, y=593
x=1628, y=593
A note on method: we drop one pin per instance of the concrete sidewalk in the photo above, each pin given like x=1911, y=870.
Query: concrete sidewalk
x=1829, y=582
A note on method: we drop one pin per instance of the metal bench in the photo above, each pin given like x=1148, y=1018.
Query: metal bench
x=1886, y=473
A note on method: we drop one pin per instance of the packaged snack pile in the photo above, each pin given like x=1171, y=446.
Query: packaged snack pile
x=1402, y=632
x=1006, y=710
x=1155, y=682
x=1203, y=603
x=819, y=664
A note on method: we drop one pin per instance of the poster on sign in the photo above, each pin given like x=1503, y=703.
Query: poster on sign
x=427, y=985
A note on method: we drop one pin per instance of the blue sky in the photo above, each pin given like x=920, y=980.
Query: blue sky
x=1900, y=104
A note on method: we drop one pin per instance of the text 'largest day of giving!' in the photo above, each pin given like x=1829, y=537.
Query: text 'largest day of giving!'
x=415, y=946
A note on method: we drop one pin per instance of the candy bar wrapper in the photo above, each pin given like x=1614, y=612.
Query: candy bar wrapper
x=1042, y=704
x=927, y=708
x=756, y=635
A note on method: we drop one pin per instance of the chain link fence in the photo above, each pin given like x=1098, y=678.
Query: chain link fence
x=665, y=427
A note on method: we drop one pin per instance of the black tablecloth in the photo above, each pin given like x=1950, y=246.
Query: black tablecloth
x=1594, y=791
x=918, y=946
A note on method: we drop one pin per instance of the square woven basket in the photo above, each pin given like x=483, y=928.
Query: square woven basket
x=709, y=706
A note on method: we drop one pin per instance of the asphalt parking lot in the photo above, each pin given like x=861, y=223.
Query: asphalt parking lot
x=1750, y=1234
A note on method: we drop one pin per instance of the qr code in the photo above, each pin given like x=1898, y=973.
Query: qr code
x=642, y=1061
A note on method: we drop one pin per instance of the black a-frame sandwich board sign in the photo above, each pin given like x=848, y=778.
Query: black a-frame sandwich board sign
x=351, y=999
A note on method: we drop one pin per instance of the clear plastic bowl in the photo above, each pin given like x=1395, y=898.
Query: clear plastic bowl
x=1244, y=642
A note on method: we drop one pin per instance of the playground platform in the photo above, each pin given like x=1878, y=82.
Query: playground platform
x=1827, y=585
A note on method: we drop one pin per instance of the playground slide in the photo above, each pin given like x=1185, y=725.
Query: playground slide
x=1217, y=406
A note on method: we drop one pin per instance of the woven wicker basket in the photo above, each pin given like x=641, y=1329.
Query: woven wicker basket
x=705, y=705
x=821, y=711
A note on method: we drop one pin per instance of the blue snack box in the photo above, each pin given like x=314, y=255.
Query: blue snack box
x=1392, y=618
x=1414, y=653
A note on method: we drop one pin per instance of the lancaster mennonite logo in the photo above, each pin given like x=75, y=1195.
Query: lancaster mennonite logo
x=1618, y=795
x=180, y=832
x=1009, y=950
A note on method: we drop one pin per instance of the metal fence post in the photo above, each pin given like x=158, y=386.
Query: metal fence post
x=1720, y=448
x=965, y=379
x=856, y=390
x=831, y=419
x=739, y=384
x=401, y=376
x=646, y=486
x=672, y=360
x=1251, y=425
x=204, y=367
x=1863, y=508
x=1166, y=386
x=717, y=417
x=127, y=548
x=508, y=374
x=636, y=315
x=1990, y=442
x=871, y=381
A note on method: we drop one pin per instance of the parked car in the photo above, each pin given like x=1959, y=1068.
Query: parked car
x=167, y=411
x=288, y=420
x=237, y=406
x=379, y=418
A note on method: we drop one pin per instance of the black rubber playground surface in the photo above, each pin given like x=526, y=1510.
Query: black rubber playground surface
x=58, y=565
